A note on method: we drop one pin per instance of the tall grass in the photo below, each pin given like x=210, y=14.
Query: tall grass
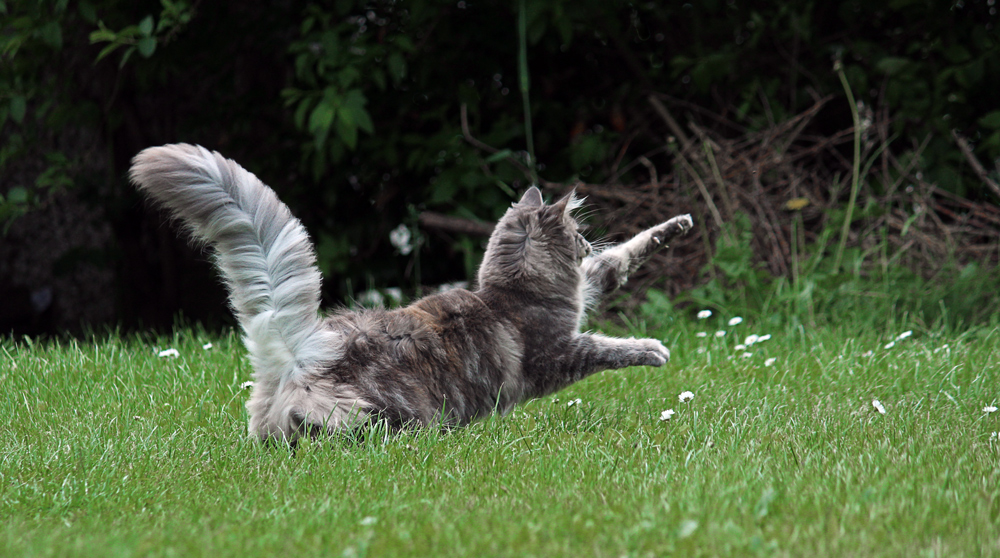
x=108, y=450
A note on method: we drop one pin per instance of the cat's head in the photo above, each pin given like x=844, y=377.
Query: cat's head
x=535, y=242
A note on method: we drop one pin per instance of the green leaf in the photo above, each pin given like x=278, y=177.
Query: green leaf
x=397, y=66
x=354, y=113
x=991, y=120
x=126, y=56
x=146, y=26
x=102, y=35
x=146, y=46
x=87, y=12
x=892, y=65
x=499, y=156
x=320, y=121
x=300, y=113
x=51, y=34
x=18, y=108
x=347, y=130
x=106, y=51
x=17, y=194
x=957, y=54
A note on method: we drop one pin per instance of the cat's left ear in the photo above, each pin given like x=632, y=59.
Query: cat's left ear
x=566, y=204
x=531, y=198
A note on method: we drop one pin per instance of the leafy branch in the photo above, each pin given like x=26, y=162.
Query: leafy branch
x=147, y=34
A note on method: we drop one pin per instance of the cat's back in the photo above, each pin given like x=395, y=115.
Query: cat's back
x=447, y=352
x=436, y=327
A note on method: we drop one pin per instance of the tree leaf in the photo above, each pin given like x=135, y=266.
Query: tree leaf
x=88, y=12
x=354, y=110
x=146, y=27
x=17, y=194
x=499, y=156
x=991, y=120
x=320, y=121
x=51, y=34
x=347, y=130
x=146, y=46
x=397, y=66
x=126, y=56
x=18, y=108
x=106, y=50
x=892, y=65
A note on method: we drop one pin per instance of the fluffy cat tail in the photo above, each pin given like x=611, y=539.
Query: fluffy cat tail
x=264, y=254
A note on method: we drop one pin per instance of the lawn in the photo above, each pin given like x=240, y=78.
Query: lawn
x=107, y=449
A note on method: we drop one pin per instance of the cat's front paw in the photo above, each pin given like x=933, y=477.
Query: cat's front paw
x=650, y=353
x=674, y=227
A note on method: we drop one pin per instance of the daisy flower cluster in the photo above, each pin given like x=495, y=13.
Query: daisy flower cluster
x=174, y=353
x=684, y=397
x=898, y=338
x=742, y=350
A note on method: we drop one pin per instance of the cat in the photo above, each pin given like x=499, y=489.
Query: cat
x=445, y=360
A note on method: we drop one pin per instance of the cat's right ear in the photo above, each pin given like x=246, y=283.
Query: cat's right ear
x=531, y=198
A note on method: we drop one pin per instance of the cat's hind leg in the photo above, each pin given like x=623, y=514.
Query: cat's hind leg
x=608, y=270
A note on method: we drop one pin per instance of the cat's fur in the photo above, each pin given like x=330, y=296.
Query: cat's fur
x=447, y=359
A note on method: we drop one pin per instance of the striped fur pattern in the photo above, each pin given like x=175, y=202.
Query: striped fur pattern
x=445, y=360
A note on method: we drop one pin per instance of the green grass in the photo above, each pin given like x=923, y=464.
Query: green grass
x=108, y=450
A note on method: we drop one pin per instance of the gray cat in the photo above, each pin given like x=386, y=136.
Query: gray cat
x=445, y=360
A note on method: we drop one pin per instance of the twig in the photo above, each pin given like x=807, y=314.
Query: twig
x=432, y=220
x=653, y=178
x=522, y=66
x=671, y=123
x=463, y=111
x=977, y=167
x=704, y=192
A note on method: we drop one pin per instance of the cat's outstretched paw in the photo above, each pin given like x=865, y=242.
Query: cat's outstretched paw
x=674, y=227
x=650, y=352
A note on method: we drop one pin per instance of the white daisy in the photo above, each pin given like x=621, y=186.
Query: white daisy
x=704, y=314
x=665, y=415
x=206, y=346
x=246, y=385
x=764, y=337
x=740, y=348
x=735, y=321
x=168, y=353
x=878, y=406
x=701, y=334
x=400, y=237
x=770, y=361
x=751, y=339
x=890, y=344
x=686, y=396
x=576, y=401
x=904, y=335
x=720, y=333
x=990, y=409
x=747, y=355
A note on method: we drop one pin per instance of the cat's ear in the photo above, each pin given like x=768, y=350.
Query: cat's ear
x=566, y=204
x=531, y=198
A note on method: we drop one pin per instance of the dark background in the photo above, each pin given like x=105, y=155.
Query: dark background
x=351, y=111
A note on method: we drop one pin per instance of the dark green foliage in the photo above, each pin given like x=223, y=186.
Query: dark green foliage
x=351, y=110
